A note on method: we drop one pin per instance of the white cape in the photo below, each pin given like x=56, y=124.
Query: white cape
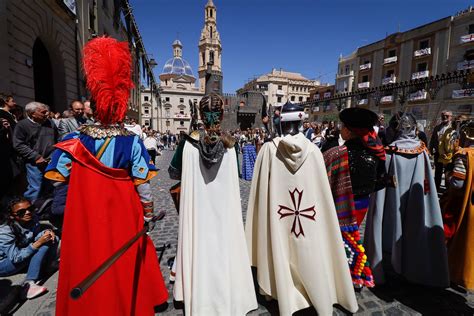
x=213, y=273
x=292, y=230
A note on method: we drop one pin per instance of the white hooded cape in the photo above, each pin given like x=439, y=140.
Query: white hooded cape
x=292, y=230
x=213, y=274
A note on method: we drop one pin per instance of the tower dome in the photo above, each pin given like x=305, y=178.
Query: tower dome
x=177, y=66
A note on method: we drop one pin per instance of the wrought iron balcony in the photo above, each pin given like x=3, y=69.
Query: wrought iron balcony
x=420, y=74
x=391, y=79
x=422, y=52
x=390, y=60
x=363, y=102
x=386, y=99
x=468, y=38
x=467, y=64
x=363, y=85
x=182, y=116
x=418, y=96
x=463, y=93
x=365, y=66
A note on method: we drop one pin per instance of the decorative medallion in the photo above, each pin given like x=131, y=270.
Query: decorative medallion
x=309, y=213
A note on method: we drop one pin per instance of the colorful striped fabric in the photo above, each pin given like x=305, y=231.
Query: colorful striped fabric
x=337, y=166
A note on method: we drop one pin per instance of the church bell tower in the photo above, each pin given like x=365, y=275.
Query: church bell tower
x=210, y=50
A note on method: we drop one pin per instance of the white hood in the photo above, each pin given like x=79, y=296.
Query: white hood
x=294, y=150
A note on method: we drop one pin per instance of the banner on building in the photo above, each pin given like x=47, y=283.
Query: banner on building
x=463, y=93
x=71, y=5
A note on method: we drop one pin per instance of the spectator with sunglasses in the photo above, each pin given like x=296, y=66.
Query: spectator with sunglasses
x=24, y=245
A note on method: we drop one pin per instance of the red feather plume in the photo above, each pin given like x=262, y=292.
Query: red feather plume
x=108, y=69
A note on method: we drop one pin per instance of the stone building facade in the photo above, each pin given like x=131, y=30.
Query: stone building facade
x=431, y=50
x=40, y=58
x=280, y=86
x=177, y=93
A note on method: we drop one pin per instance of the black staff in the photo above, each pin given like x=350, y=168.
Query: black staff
x=82, y=287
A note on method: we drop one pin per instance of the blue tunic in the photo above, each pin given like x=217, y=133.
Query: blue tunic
x=123, y=152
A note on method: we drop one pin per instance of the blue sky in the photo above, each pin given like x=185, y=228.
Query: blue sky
x=305, y=36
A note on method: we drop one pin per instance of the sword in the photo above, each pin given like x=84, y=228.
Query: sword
x=82, y=287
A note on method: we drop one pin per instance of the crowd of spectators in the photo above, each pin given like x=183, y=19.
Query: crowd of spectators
x=27, y=138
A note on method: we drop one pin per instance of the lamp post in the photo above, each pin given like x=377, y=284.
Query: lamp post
x=152, y=64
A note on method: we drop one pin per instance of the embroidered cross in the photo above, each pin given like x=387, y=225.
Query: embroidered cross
x=309, y=213
x=300, y=115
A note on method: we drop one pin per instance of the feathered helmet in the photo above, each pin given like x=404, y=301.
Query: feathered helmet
x=108, y=69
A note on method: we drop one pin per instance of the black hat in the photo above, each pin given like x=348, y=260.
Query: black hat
x=358, y=118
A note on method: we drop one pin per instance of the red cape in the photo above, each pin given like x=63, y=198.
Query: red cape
x=103, y=211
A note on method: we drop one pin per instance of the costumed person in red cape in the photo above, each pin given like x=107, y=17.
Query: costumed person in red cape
x=109, y=198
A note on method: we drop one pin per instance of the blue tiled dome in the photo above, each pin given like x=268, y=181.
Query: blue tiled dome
x=177, y=66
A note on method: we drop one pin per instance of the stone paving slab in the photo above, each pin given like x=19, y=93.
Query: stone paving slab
x=395, y=298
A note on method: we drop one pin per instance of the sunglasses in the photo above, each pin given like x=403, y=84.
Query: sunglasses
x=21, y=212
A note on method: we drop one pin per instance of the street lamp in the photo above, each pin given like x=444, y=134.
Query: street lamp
x=151, y=64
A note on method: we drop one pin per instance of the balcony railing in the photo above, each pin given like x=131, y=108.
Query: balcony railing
x=420, y=74
x=422, y=52
x=365, y=66
x=463, y=93
x=391, y=79
x=467, y=64
x=418, y=95
x=351, y=73
x=327, y=94
x=390, y=60
x=363, y=102
x=386, y=99
x=280, y=92
x=182, y=116
x=363, y=85
x=467, y=38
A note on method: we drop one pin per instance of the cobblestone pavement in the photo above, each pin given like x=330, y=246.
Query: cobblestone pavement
x=396, y=298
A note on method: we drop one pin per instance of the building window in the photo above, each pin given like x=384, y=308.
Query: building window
x=471, y=28
x=365, y=78
x=146, y=98
x=146, y=111
x=181, y=100
x=279, y=99
x=167, y=99
x=392, y=53
x=292, y=98
x=181, y=123
x=300, y=99
x=421, y=67
x=469, y=55
x=280, y=87
x=147, y=123
x=307, y=98
x=181, y=112
x=424, y=44
x=347, y=70
x=167, y=123
x=390, y=73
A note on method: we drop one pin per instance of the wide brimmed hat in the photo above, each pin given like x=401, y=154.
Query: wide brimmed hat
x=358, y=118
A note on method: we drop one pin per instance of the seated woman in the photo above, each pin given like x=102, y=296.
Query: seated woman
x=24, y=245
